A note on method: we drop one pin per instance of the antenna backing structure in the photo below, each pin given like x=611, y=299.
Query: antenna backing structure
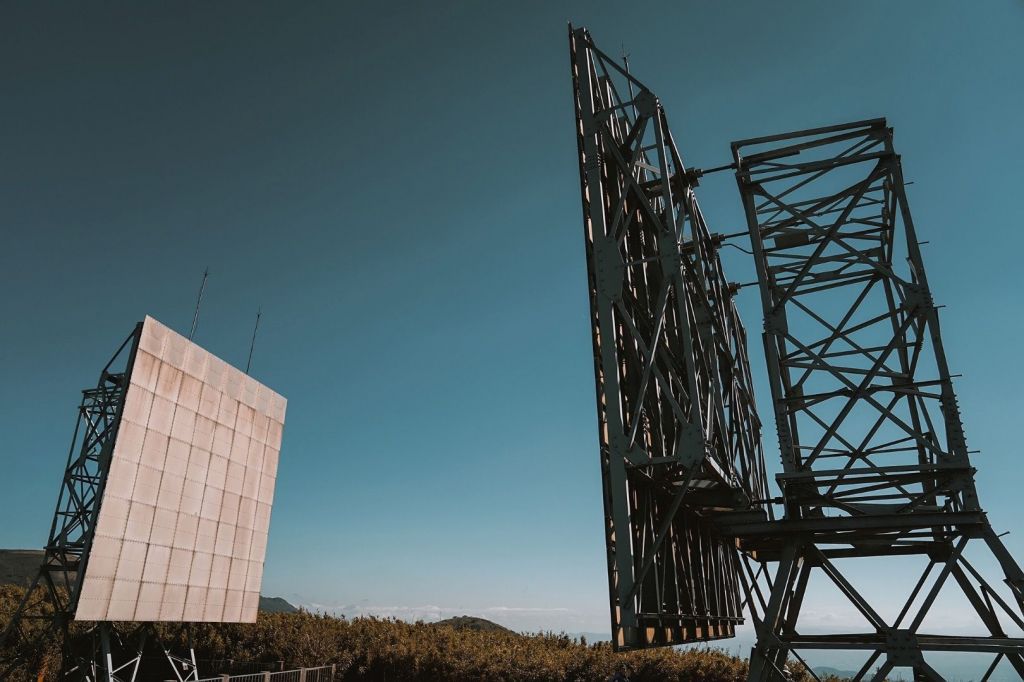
x=680, y=439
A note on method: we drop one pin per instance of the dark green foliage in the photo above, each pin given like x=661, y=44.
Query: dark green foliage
x=471, y=623
x=39, y=654
x=376, y=649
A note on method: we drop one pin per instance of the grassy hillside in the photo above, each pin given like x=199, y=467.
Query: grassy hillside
x=374, y=649
x=471, y=623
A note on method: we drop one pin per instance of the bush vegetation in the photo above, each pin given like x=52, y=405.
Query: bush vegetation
x=384, y=650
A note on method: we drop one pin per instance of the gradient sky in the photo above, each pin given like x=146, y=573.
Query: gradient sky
x=398, y=189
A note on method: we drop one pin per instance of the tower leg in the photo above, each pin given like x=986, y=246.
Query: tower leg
x=139, y=648
x=183, y=666
x=192, y=652
x=106, y=668
x=891, y=645
x=768, y=658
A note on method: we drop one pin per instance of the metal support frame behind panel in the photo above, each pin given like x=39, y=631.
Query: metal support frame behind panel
x=679, y=436
x=184, y=666
x=108, y=653
x=875, y=463
x=52, y=598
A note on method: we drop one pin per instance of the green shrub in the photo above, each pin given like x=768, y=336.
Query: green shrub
x=382, y=649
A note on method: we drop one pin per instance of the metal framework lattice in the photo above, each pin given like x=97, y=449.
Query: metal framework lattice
x=53, y=595
x=875, y=463
x=874, y=459
x=679, y=435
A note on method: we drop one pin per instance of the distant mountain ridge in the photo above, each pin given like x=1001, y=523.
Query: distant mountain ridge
x=276, y=605
x=19, y=566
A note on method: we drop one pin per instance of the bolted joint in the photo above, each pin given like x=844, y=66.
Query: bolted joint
x=609, y=270
x=646, y=103
x=917, y=298
x=902, y=648
x=692, y=449
x=593, y=163
x=775, y=323
x=740, y=498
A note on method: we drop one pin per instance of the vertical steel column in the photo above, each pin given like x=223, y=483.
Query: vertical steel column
x=107, y=655
x=602, y=262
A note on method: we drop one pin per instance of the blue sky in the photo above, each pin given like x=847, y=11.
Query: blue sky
x=398, y=189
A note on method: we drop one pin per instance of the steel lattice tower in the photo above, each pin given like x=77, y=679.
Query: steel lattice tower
x=874, y=460
x=875, y=463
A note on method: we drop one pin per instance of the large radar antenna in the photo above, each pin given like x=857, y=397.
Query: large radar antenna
x=875, y=465
x=163, y=513
x=679, y=436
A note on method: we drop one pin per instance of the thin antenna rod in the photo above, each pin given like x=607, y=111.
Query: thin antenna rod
x=199, y=301
x=253, y=344
x=625, y=64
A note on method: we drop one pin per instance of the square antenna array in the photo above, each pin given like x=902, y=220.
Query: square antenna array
x=185, y=510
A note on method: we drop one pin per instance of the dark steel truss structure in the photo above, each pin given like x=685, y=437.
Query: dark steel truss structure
x=49, y=605
x=874, y=459
x=110, y=654
x=679, y=436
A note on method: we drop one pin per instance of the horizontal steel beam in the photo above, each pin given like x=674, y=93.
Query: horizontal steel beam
x=881, y=522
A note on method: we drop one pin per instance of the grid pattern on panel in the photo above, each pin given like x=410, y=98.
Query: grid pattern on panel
x=183, y=522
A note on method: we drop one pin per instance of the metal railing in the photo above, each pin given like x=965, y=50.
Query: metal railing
x=324, y=673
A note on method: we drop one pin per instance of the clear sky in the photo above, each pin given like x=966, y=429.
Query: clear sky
x=398, y=188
